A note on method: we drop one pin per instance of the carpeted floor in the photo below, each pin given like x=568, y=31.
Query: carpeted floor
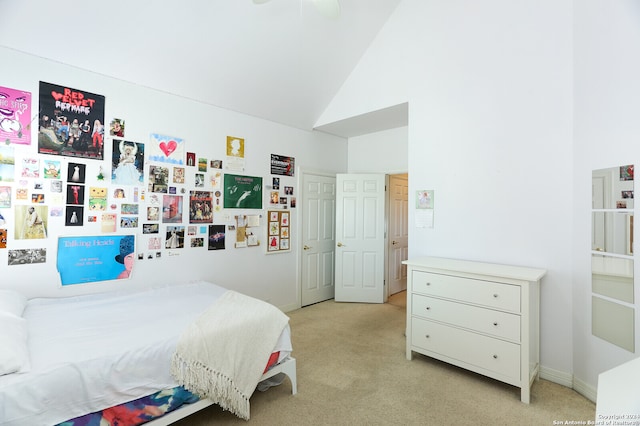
x=352, y=370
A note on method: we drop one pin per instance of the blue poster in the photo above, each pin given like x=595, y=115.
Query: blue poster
x=96, y=258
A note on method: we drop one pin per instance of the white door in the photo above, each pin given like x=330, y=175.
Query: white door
x=318, y=232
x=398, y=232
x=360, y=239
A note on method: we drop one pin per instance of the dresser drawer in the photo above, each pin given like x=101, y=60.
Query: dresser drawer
x=481, y=351
x=485, y=293
x=488, y=321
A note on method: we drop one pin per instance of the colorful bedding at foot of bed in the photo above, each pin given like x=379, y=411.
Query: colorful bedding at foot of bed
x=139, y=411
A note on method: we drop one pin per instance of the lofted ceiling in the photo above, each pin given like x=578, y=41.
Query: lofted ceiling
x=281, y=61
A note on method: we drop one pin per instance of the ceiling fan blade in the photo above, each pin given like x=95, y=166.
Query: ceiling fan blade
x=328, y=8
x=260, y=1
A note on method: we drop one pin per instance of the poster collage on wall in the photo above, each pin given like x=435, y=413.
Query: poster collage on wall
x=121, y=194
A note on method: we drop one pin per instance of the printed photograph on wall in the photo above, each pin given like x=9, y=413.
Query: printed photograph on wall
x=116, y=128
x=75, y=194
x=3, y=238
x=74, y=216
x=199, y=180
x=191, y=159
x=27, y=256
x=127, y=208
x=274, y=197
x=174, y=237
x=202, y=164
x=424, y=199
x=242, y=192
x=153, y=213
x=76, y=172
x=30, y=167
x=108, y=222
x=216, y=237
x=166, y=149
x=97, y=198
x=150, y=228
x=626, y=172
x=128, y=222
x=95, y=258
x=52, y=169
x=71, y=122
x=56, y=186
x=7, y=163
x=172, y=208
x=200, y=207
x=127, y=162
x=158, y=179
x=5, y=197
x=178, y=175
x=31, y=222
x=15, y=120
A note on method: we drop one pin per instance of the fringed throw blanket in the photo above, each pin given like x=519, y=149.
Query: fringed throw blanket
x=222, y=355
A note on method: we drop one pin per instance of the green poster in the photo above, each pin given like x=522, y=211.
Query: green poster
x=242, y=192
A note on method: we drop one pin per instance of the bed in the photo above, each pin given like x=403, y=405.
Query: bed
x=82, y=355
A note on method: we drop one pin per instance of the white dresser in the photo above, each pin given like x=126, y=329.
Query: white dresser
x=479, y=316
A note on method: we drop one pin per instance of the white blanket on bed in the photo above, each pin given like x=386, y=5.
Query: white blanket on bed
x=222, y=355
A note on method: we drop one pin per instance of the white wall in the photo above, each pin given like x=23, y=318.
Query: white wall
x=489, y=88
x=389, y=147
x=606, y=129
x=204, y=128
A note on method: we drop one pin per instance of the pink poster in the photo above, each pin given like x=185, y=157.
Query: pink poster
x=15, y=116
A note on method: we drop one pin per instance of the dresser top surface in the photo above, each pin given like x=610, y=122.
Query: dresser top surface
x=440, y=264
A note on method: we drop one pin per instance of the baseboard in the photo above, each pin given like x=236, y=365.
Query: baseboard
x=567, y=379
x=585, y=390
x=289, y=308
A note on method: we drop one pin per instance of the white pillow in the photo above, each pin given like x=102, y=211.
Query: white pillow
x=14, y=353
x=12, y=302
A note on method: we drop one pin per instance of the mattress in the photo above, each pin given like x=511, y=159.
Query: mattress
x=91, y=352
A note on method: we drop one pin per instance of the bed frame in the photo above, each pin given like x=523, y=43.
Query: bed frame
x=287, y=367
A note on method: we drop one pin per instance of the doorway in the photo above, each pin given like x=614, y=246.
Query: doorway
x=397, y=232
x=318, y=227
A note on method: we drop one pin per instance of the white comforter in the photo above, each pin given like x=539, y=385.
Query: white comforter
x=86, y=355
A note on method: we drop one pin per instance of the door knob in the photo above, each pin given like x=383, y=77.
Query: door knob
x=394, y=242
x=340, y=245
x=306, y=247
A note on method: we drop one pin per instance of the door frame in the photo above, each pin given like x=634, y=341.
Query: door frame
x=298, y=226
x=388, y=271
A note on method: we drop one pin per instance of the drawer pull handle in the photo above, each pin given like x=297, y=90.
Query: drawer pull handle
x=427, y=336
x=495, y=324
x=495, y=356
x=495, y=295
x=428, y=283
x=428, y=308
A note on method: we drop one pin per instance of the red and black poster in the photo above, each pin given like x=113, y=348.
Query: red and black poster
x=71, y=122
x=281, y=165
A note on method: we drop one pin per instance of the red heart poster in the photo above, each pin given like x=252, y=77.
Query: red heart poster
x=166, y=149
